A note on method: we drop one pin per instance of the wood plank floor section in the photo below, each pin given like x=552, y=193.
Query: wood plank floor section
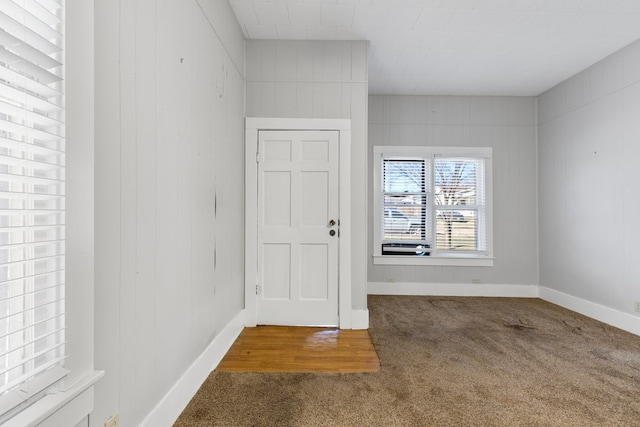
x=301, y=349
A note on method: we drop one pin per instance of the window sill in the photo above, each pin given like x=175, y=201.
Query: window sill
x=453, y=261
x=62, y=408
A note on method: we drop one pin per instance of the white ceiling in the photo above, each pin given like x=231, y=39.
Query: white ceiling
x=456, y=47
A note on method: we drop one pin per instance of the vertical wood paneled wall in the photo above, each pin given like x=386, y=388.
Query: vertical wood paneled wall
x=589, y=133
x=169, y=193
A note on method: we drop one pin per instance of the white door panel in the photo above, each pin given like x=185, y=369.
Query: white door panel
x=298, y=194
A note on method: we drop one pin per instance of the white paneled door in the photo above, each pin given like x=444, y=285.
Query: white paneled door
x=298, y=228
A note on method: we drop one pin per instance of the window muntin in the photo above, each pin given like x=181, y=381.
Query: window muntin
x=432, y=202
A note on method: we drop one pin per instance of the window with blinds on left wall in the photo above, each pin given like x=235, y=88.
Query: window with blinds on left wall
x=32, y=201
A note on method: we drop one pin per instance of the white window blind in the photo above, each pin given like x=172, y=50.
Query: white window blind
x=32, y=199
x=406, y=203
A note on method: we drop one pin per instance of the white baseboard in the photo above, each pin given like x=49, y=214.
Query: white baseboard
x=610, y=316
x=174, y=402
x=453, y=289
x=360, y=319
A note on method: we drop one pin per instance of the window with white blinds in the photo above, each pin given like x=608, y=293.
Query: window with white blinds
x=406, y=200
x=32, y=200
x=432, y=202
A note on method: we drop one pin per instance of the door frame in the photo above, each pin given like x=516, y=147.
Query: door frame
x=253, y=125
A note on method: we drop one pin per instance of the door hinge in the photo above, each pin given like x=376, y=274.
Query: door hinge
x=257, y=157
x=258, y=289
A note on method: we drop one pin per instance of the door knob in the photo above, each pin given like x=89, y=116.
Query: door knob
x=332, y=232
x=332, y=222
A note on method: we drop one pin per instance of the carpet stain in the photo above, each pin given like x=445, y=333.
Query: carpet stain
x=572, y=329
x=518, y=325
x=200, y=413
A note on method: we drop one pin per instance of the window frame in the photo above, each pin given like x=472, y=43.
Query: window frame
x=429, y=153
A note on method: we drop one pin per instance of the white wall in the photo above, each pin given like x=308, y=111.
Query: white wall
x=589, y=133
x=301, y=79
x=169, y=148
x=508, y=125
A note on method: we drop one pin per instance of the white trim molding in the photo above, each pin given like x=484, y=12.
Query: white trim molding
x=252, y=126
x=608, y=315
x=460, y=261
x=452, y=289
x=173, y=403
x=360, y=319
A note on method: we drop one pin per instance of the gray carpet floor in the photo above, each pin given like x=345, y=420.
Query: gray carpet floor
x=450, y=362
